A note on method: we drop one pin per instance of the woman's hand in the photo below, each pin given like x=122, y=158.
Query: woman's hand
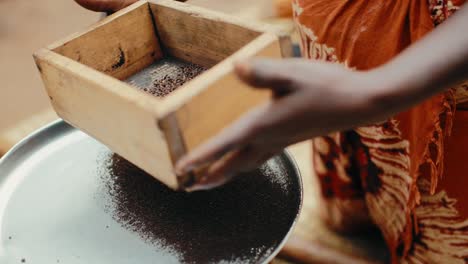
x=105, y=5
x=310, y=99
x=316, y=98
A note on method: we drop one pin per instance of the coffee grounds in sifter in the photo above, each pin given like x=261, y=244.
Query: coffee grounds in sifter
x=165, y=75
x=241, y=222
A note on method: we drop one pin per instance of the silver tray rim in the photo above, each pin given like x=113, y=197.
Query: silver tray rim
x=38, y=138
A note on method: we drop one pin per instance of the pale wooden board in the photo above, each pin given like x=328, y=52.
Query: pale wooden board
x=119, y=45
x=217, y=97
x=205, y=37
x=111, y=111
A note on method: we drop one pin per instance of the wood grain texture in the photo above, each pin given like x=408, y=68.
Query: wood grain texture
x=199, y=35
x=119, y=45
x=216, y=98
x=111, y=111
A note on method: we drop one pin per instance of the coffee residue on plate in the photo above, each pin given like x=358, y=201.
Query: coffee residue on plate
x=241, y=222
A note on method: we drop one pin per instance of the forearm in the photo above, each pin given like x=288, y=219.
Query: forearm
x=428, y=67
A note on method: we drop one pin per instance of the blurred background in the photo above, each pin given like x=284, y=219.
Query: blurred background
x=26, y=26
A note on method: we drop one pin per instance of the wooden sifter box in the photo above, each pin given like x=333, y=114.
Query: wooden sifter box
x=85, y=75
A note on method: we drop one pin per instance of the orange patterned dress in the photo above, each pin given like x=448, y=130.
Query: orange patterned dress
x=410, y=170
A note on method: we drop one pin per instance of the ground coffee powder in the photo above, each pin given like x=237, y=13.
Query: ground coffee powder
x=241, y=222
x=165, y=75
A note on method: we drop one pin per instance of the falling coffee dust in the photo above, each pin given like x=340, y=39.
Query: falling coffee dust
x=241, y=222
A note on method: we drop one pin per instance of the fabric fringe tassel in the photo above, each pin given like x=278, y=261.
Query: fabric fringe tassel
x=443, y=235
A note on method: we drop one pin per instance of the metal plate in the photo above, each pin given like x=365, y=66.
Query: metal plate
x=55, y=208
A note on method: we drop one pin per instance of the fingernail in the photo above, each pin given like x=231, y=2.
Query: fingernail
x=197, y=184
x=210, y=182
x=193, y=177
x=202, y=187
x=243, y=67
